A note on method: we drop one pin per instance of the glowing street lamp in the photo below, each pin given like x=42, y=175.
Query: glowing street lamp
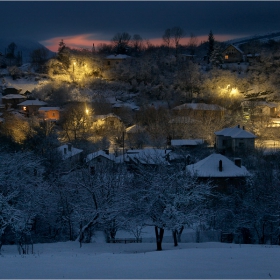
x=74, y=63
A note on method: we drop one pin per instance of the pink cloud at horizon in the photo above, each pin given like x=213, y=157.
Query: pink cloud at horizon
x=86, y=41
x=76, y=41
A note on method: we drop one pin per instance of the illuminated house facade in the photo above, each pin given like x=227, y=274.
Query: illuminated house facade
x=233, y=54
x=107, y=122
x=49, y=113
x=31, y=107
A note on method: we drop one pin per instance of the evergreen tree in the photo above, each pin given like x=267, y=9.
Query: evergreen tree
x=216, y=57
x=63, y=54
x=211, y=42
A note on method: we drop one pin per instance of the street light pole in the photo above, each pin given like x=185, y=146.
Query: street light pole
x=74, y=63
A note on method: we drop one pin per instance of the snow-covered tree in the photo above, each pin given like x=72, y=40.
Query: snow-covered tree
x=99, y=199
x=21, y=183
x=166, y=198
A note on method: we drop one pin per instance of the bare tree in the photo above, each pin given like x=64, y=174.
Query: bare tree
x=76, y=122
x=121, y=42
x=166, y=37
x=193, y=42
x=137, y=43
x=177, y=34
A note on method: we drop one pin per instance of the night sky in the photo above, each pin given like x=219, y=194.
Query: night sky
x=82, y=23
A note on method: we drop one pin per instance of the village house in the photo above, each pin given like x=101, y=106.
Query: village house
x=11, y=90
x=258, y=109
x=233, y=54
x=107, y=122
x=101, y=157
x=183, y=126
x=49, y=113
x=70, y=156
x=114, y=59
x=148, y=157
x=234, y=139
x=31, y=107
x=220, y=171
x=12, y=100
x=200, y=110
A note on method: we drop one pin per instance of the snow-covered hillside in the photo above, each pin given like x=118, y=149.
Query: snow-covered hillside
x=26, y=46
x=261, y=37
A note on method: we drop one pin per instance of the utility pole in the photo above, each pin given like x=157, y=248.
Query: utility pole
x=123, y=145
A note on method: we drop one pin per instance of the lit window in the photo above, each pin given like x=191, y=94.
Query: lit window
x=226, y=56
x=24, y=108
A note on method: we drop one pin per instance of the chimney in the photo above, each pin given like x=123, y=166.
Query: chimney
x=237, y=162
x=69, y=147
x=243, y=127
x=220, y=165
x=238, y=126
x=106, y=151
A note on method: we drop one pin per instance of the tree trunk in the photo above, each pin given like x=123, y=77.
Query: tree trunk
x=174, y=233
x=159, y=237
x=180, y=233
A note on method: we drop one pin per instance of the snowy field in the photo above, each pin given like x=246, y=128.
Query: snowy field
x=102, y=260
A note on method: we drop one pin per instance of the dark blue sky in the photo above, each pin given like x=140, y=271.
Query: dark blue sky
x=46, y=20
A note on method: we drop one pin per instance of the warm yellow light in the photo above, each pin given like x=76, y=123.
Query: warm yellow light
x=24, y=108
x=234, y=91
x=87, y=111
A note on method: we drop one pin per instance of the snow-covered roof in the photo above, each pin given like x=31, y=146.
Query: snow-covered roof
x=253, y=55
x=14, y=96
x=121, y=158
x=126, y=104
x=235, y=132
x=200, y=106
x=13, y=87
x=103, y=117
x=49, y=109
x=236, y=47
x=99, y=153
x=117, y=56
x=209, y=167
x=250, y=103
x=186, y=142
x=135, y=129
x=69, y=152
x=32, y=102
x=149, y=156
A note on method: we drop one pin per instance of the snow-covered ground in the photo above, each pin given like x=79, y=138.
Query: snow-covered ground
x=141, y=260
x=28, y=83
